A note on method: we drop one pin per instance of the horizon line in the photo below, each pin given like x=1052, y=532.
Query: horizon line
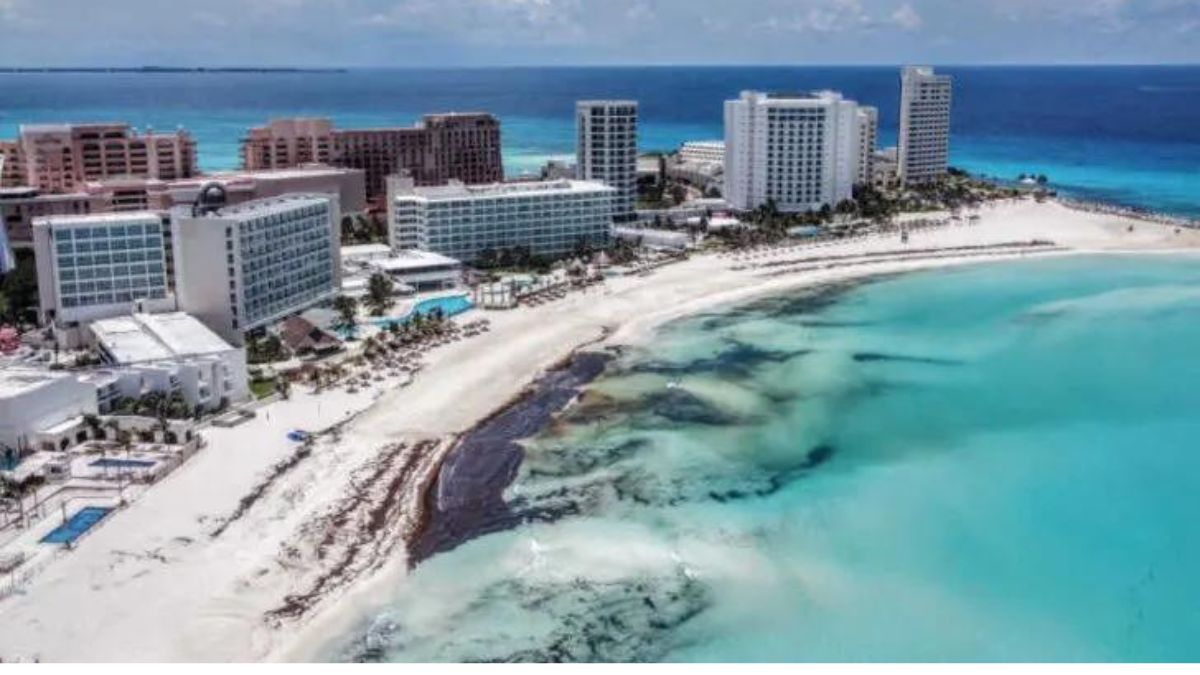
x=152, y=68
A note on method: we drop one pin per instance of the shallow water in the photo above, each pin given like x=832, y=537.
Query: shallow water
x=987, y=463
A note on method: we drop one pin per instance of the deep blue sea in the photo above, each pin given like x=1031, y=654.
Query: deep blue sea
x=993, y=463
x=1123, y=134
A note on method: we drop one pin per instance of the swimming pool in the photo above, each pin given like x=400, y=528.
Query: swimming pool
x=76, y=525
x=115, y=463
x=451, y=305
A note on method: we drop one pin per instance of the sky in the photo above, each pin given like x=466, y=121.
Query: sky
x=431, y=33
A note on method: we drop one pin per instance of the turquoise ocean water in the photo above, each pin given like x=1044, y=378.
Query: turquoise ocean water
x=987, y=463
x=1123, y=134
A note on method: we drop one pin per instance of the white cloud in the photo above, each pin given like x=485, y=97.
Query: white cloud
x=830, y=16
x=907, y=17
x=486, y=21
x=640, y=11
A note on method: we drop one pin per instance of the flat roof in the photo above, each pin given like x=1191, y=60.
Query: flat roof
x=141, y=338
x=270, y=205
x=44, y=128
x=504, y=190
x=119, y=218
x=16, y=380
x=412, y=260
x=270, y=174
x=594, y=103
x=366, y=250
x=36, y=194
x=63, y=426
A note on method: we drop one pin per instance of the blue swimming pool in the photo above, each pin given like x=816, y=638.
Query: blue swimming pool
x=452, y=305
x=76, y=525
x=115, y=463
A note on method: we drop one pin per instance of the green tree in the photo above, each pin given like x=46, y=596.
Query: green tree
x=347, y=310
x=678, y=194
x=379, y=293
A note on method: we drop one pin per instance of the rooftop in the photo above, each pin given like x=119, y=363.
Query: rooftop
x=142, y=338
x=821, y=96
x=606, y=102
x=16, y=380
x=366, y=251
x=306, y=171
x=271, y=205
x=457, y=190
x=27, y=192
x=412, y=260
x=119, y=218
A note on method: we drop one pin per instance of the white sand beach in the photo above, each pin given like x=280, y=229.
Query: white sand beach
x=153, y=583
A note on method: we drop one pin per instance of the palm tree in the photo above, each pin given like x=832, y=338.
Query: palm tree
x=347, y=309
x=379, y=293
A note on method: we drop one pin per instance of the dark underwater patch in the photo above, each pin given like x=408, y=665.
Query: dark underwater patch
x=629, y=621
x=682, y=407
x=876, y=357
x=737, y=360
x=578, y=460
x=800, y=303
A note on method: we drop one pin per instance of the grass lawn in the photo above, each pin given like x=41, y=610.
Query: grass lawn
x=262, y=388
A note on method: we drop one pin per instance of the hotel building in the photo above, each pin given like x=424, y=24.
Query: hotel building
x=702, y=152
x=549, y=218
x=240, y=268
x=60, y=158
x=606, y=150
x=798, y=151
x=166, y=353
x=924, y=125
x=460, y=146
x=868, y=138
x=42, y=409
x=246, y=186
x=19, y=206
x=98, y=266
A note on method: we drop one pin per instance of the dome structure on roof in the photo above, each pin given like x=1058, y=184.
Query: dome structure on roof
x=211, y=197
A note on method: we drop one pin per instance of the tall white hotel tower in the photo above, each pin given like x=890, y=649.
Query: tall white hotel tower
x=924, y=125
x=801, y=151
x=606, y=150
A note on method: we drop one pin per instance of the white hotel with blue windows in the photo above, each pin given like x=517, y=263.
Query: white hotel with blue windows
x=93, y=267
x=244, y=267
x=548, y=218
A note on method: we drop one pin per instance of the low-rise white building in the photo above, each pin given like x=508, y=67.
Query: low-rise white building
x=92, y=267
x=42, y=409
x=167, y=353
x=244, y=267
x=671, y=240
x=412, y=270
x=419, y=270
x=703, y=152
x=547, y=218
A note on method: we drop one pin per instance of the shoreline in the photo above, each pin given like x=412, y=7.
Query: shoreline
x=209, y=600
